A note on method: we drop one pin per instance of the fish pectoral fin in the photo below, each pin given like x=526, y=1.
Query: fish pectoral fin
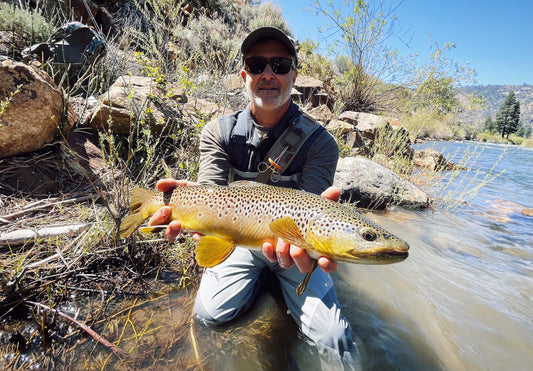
x=303, y=285
x=286, y=229
x=212, y=250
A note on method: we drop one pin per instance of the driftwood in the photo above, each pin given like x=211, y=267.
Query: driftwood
x=42, y=205
x=22, y=236
x=119, y=352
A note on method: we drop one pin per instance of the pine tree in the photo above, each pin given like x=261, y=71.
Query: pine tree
x=508, y=116
x=489, y=125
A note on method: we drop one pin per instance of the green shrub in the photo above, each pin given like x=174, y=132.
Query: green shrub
x=29, y=24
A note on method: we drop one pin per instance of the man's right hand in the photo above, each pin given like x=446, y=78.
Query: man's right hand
x=163, y=215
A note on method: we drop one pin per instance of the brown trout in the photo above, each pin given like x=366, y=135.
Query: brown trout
x=247, y=214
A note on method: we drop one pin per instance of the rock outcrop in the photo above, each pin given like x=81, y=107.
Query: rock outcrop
x=432, y=160
x=133, y=98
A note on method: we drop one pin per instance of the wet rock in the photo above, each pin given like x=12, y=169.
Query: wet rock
x=527, y=211
x=37, y=112
x=369, y=185
x=432, y=160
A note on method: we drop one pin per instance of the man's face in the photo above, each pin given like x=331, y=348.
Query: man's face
x=268, y=90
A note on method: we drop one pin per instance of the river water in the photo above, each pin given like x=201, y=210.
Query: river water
x=463, y=300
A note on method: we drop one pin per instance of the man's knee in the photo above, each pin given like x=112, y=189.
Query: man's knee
x=210, y=314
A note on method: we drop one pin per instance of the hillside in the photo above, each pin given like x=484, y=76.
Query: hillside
x=495, y=95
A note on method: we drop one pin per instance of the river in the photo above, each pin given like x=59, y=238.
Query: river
x=463, y=300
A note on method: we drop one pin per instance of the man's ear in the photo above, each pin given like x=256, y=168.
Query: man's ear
x=243, y=75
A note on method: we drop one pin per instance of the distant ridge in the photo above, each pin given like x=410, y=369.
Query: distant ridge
x=495, y=95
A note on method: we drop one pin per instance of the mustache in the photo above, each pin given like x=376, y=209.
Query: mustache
x=268, y=85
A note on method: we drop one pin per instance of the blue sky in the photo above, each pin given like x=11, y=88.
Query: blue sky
x=495, y=38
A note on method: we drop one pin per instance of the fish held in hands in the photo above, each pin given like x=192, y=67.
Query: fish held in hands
x=248, y=214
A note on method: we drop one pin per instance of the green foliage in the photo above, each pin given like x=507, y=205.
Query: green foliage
x=489, y=125
x=6, y=101
x=207, y=44
x=314, y=64
x=29, y=24
x=266, y=14
x=363, y=58
x=508, y=116
x=435, y=94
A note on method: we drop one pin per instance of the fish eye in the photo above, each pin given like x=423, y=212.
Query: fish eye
x=368, y=234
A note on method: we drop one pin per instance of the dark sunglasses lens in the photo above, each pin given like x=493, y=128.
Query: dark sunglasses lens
x=281, y=65
x=256, y=65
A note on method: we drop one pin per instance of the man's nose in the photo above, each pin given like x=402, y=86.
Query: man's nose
x=267, y=72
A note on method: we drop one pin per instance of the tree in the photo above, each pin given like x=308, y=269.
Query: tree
x=373, y=76
x=364, y=27
x=489, y=125
x=508, y=116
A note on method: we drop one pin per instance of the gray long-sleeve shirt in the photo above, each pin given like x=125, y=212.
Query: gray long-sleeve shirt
x=317, y=172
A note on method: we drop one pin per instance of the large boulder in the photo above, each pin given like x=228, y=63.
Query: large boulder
x=36, y=111
x=369, y=185
x=366, y=123
x=133, y=98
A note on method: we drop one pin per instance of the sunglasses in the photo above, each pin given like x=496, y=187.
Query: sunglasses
x=279, y=65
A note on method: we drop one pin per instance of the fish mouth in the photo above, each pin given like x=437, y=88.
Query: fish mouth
x=384, y=257
x=396, y=255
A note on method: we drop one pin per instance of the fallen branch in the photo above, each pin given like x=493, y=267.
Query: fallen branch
x=119, y=352
x=38, y=206
x=22, y=236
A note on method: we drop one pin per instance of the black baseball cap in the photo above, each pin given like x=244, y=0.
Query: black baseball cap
x=268, y=33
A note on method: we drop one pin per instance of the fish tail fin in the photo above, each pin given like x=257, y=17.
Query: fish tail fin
x=138, y=196
x=130, y=223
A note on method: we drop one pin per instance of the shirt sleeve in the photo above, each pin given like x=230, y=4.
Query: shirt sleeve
x=214, y=159
x=320, y=164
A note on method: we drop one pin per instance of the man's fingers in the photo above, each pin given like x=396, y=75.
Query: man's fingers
x=172, y=231
x=283, y=255
x=332, y=193
x=167, y=185
x=302, y=260
x=161, y=216
x=269, y=252
x=327, y=264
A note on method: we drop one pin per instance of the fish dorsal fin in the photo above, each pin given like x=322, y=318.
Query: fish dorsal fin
x=212, y=250
x=245, y=183
x=287, y=229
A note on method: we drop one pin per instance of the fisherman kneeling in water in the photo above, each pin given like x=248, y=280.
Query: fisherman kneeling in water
x=269, y=141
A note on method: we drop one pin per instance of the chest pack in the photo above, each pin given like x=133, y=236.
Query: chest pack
x=283, y=163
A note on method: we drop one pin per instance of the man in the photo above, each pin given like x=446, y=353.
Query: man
x=235, y=147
